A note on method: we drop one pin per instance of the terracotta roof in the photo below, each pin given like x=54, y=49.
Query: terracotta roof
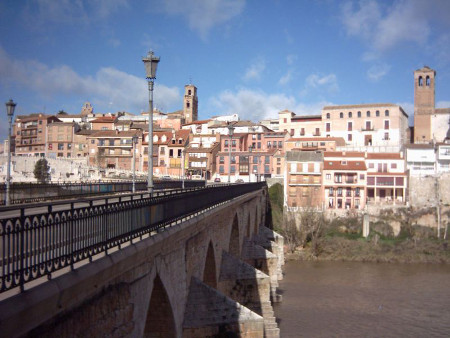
x=383, y=156
x=338, y=140
x=160, y=134
x=343, y=154
x=114, y=133
x=86, y=132
x=339, y=165
x=104, y=119
x=197, y=122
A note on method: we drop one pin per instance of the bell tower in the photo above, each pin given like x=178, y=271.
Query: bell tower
x=190, y=103
x=424, y=99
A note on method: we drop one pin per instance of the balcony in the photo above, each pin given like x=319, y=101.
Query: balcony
x=316, y=134
x=371, y=128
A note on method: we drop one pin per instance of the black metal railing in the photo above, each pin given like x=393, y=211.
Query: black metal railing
x=43, y=238
x=37, y=192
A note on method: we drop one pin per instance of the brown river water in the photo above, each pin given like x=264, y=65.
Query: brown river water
x=352, y=299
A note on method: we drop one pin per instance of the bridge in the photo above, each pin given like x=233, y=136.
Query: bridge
x=195, y=262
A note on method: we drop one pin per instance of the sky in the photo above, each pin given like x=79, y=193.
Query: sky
x=250, y=57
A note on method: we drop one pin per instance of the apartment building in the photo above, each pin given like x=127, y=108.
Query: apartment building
x=60, y=139
x=103, y=123
x=300, y=126
x=386, y=178
x=303, y=179
x=344, y=180
x=114, y=149
x=30, y=134
x=176, y=146
x=367, y=126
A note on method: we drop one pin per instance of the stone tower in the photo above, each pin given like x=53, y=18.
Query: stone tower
x=190, y=104
x=424, y=96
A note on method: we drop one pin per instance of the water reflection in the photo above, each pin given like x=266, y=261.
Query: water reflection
x=352, y=299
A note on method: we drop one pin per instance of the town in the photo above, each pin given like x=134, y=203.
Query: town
x=343, y=158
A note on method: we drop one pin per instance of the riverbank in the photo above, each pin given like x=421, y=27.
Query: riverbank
x=340, y=248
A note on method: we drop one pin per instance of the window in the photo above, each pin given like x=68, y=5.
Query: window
x=280, y=144
x=339, y=191
x=179, y=152
x=371, y=165
x=226, y=143
x=255, y=159
x=393, y=165
x=317, y=132
x=188, y=104
x=267, y=160
x=349, y=126
x=341, y=115
x=233, y=143
x=377, y=113
x=361, y=176
x=427, y=82
x=330, y=192
x=386, y=124
x=328, y=177
x=233, y=169
x=171, y=153
x=386, y=136
x=60, y=146
x=266, y=169
x=259, y=137
x=368, y=113
x=269, y=144
x=221, y=169
x=386, y=113
x=420, y=81
x=357, y=192
x=284, y=120
x=328, y=116
x=328, y=127
x=221, y=159
x=359, y=114
x=368, y=125
x=349, y=137
x=338, y=178
x=292, y=132
x=302, y=132
x=350, y=114
x=233, y=159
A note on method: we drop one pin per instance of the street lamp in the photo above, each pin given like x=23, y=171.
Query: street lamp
x=10, y=106
x=230, y=132
x=134, y=141
x=150, y=63
x=250, y=148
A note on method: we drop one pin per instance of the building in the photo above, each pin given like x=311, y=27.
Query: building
x=421, y=159
x=60, y=139
x=387, y=179
x=300, y=126
x=314, y=143
x=344, y=180
x=303, y=179
x=30, y=134
x=367, y=127
x=190, y=104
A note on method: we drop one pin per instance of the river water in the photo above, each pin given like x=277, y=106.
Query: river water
x=352, y=299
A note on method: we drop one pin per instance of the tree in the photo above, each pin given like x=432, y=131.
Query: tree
x=42, y=171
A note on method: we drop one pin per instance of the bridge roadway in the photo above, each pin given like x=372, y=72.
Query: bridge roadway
x=191, y=264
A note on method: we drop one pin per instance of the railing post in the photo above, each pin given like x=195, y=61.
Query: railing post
x=71, y=237
x=22, y=250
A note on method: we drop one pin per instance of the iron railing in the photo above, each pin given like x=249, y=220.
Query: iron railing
x=37, y=192
x=39, y=239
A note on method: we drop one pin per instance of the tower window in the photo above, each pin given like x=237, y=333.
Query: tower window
x=420, y=81
x=188, y=104
x=427, y=81
x=189, y=92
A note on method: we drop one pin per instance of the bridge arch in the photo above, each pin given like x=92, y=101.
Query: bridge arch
x=160, y=321
x=209, y=272
x=234, y=243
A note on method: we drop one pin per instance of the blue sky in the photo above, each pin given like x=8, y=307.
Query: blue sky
x=251, y=57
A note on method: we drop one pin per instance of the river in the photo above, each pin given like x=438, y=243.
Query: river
x=352, y=299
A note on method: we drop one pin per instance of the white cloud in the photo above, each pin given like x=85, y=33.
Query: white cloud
x=286, y=78
x=378, y=71
x=383, y=26
x=316, y=82
x=203, y=15
x=256, y=105
x=255, y=70
x=126, y=91
x=70, y=12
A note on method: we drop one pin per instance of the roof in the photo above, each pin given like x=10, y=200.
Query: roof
x=384, y=156
x=86, y=132
x=304, y=156
x=104, y=119
x=338, y=140
x=339, y=165
x=419, y=146
x=307, y=117
x=114, y=133
x=343, y=154
x=442, y=111
x=365, y=105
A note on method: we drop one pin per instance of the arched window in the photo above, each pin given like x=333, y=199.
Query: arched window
x=328, y=116
x=155, y=138
x=427, y=82
x=368, y=114
x=341, y=115
x=420, y=81
x=350, y=114
x=359, y=114
x=386, y=113
x=377, y=113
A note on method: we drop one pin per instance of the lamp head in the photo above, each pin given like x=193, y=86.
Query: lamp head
x=150, y=63
x=10, y=106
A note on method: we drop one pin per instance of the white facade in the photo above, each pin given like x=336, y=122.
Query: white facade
x=421, y=161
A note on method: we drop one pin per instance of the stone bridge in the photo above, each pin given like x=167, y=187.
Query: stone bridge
x=212, y=275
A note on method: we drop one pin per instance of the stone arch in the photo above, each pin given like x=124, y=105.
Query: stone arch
x=420, y=81
x=234, y=246
x=427, y=82
x=160, y=321
x=209, y=272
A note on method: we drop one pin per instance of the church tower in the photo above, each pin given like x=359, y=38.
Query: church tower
x=190, y=104
x=424, y=96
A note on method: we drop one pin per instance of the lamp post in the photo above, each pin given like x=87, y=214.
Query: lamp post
x=230, y=132
x=250, y=148
x=10, y=106
x=150, y=63
x=133, y=165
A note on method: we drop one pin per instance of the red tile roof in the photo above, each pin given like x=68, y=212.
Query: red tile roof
x=339, y=165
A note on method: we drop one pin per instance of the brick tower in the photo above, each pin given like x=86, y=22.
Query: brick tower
x=190, y=104
x=424, y=96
